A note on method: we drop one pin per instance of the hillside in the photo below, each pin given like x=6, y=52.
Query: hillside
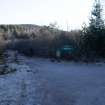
x=38, y=40
x=26, y=29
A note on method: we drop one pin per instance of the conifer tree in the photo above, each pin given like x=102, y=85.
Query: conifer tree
x=94, y=36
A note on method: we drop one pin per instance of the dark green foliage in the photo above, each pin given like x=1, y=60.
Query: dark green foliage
x=3, y=27
x=94, y=34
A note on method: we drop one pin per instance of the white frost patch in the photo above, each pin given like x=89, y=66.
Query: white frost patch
x=19, y=87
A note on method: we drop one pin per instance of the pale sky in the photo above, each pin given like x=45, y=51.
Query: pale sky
x=71, y=13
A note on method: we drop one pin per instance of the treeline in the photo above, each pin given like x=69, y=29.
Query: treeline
x=45, y=42
x=42, y=41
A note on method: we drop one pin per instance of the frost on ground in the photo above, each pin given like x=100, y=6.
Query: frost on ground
x=39, y=81
x=19, y=87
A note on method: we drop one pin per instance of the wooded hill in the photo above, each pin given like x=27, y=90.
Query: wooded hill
x=37, y=40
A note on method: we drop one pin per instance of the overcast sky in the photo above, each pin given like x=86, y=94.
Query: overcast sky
x=71, y=13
